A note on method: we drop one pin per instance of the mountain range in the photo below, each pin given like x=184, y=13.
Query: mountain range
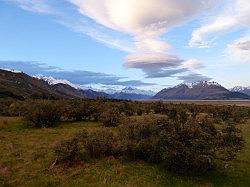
x=18, y=85
x=125, y=93
x=241, y=89
x=202, y=90
x=22, y=86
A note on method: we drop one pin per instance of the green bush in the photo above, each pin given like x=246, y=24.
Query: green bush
x=103, y=142
x=17, y=109
x=76, y=110
x=111, y=117
x=193, y=146
x=180, y=137
x=42, y=113
x=67, y=151
x=85, y=145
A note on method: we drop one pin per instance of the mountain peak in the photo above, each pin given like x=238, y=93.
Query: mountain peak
x=129, y=89
x=203, y=83
x=132, y=90
x=241, y=89
x=199, y=84
x=199, y=90
x=53, y=81
x=11, y=70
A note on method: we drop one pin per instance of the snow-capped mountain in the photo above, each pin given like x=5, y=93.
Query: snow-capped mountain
x=110, y=91
x=241, y=89
x=22, y=86
x=126, y=93
x=11, y=70
x=199, y=90
x=199, y=83
x=19, y=85
x=130, y=90
x=78, y=91
x=53, y=81
x=133, y=94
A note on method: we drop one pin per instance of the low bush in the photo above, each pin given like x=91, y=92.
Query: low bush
x=103, y=142
x=17, y=108
x=190, y=146
x=67, y=151
x=193, y=145
x=84, y=145
x=42, y=113
x=111, y=117
x=76, y=110
x=85, y=109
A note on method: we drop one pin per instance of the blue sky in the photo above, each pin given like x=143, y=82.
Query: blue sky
x=116, y=43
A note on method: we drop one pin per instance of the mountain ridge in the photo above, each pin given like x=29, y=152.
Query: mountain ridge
x=241, y=89
x=130, y=93
x=201, y=90
x=18, y=85
x=22, y=86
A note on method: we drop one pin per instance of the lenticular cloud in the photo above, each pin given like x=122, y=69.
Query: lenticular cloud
x=140, y=15
x=145, y=21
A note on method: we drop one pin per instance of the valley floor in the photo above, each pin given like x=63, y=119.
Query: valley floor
x=26, y=156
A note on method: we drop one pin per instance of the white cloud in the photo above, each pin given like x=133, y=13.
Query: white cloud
x=151, y=61
x=136, y=16
x=220, y=24
x=103, y=36
x=192, y=64
x=37, y=6
x=155, y=65
x=239, y=50
x=193, y=77
x=236, y=14
x=142, y=21
x=145, y=21
x=76, y=23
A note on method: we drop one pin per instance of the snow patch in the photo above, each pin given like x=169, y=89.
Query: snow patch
x=53, y=81
x=199, y=83
x=239, y=88
x=11, y=70
x=130, y=90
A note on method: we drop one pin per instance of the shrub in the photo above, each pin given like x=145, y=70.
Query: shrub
x=42, y=113
x=158, y=107
x=67, y=151
x=231, y=141
x=103, y=142
x=193, y=146
x=180, y=146
x=95, y=112
x=4, y=110
x=128, y=108
x=111, y=117
x=84, y=145
x=17, y=109
x=4, y=106
x=77, y=110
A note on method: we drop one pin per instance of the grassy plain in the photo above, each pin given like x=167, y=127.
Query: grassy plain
x=26, y=156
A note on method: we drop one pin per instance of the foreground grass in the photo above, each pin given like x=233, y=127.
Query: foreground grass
x=26, y=156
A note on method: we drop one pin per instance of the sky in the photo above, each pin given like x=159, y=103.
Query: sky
x=149, y=44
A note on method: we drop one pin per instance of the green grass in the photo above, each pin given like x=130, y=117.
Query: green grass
x=26, y=156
